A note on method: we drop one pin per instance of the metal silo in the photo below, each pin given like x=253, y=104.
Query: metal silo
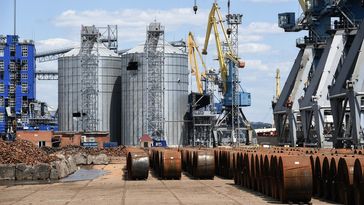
x=69, y=91
x=134, y=94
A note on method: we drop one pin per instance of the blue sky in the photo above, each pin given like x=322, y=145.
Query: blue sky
x=264, y=46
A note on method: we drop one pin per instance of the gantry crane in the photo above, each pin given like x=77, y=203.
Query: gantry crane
x=313, y=108
x=202, y=112
x=232, y=122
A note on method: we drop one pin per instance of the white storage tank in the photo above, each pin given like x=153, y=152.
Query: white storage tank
x=134, y=94
x=70, y=95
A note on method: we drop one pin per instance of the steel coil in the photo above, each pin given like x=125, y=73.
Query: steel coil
x=137, y=165
x=294, y=179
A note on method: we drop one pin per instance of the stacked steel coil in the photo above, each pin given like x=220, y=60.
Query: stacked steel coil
x=224, y=161
x=338, y=176
x=167, y=163
x=199, y=163
x=137, y=164
x=283, y=174
x=286, y=174
x=296, y=174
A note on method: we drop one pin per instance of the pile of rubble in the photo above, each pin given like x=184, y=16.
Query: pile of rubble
x=22, y=151
x=88, y=156
x=73, y=149
x=22, y=160
x=114, y=151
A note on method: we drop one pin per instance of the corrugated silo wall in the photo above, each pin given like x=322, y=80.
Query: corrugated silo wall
x=109, y=98
x=176, y=94
x=133, y=105
x=69, y=93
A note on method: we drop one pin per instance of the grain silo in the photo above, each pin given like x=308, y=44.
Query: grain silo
x=134, y=90
x=108, y=71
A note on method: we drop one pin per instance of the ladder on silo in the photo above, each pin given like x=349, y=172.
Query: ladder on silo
x=154, y=121
x=89, y=77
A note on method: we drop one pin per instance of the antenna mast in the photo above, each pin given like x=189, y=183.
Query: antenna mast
x=14, y=17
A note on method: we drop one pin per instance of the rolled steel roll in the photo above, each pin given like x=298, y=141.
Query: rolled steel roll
x=246, y=170
x=150, y=154
x=184, y=159
x=345, y=177
x=222, y=162
x=170, y=164
x=230, y=164
x=294, y=179
x=317, y=176
x=334, y=162
x=266, y=172
x=235, y=160
x=203, y=164
x=359, y=181
x=217, y=161
x=240, y=168
x=314, y=182
x=253, y=177
x=259, y=171
x=137, y=165
x=156, y=160
x=326, y=178
x=272, y=176
x=189, y=163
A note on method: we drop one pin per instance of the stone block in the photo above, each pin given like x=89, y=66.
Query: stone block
x=41, y=171
x=80, y=158
x=24, y=172
x=55, y=170
x=101, y=159
x=7, y=171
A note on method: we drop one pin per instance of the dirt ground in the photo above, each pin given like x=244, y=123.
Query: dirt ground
x=112, y=188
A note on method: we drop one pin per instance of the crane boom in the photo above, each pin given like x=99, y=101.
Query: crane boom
x=231, y=123
x=278, y=83
x=215, y=19
x=303, y=4
x=192, y=49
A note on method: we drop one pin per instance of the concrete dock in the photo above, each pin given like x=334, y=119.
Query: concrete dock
x=112, y=188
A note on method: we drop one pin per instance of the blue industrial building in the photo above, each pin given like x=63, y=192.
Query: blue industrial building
x=17, y=81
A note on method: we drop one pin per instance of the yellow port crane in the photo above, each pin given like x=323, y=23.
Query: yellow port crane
x=192, y=50
x=214, y=21
x=303, y=4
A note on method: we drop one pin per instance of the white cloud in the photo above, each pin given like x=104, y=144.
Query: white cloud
x=132, y=22
x=135, y=17
x=257, y=65
x=263, y=28
x=256, y=31
x=54, y=43
x=246, y=37
x=47, y=90
x=259, y=68
x=254, y=48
